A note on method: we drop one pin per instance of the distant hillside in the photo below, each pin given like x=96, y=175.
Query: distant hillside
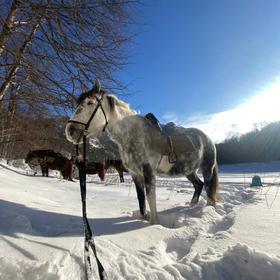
x=259, y=145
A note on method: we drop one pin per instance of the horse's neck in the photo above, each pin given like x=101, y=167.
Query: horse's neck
x=120, y=127
x=120, y=114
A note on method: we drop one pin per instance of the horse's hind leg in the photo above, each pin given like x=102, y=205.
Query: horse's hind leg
x=121, y=177
x=211, y=183
x=198, y=185
x=150, y=185
x=120, y=171
x=101, y=174
x=139, y=184
x=42, y=169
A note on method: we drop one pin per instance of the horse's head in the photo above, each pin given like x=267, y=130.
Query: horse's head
x=93, y=112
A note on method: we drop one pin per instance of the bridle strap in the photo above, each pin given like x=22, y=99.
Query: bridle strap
x=89, y=240
x=99, y=104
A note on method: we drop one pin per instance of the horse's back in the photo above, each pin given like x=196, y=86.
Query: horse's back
x=194, y=133
x=193, y=149
x=41, y=154
x=188, y=139
x=204, y=145
x=147, y=143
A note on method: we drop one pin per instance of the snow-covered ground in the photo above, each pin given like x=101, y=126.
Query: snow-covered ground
x=41, y=231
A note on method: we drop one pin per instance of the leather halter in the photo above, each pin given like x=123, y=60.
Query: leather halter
x=99, y=104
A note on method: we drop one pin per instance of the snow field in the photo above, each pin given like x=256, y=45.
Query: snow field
x=42, y=234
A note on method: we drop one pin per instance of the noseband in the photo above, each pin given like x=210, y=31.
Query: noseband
x=99, y=104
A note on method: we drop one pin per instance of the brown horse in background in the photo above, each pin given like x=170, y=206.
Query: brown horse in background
x=49, y=159
x=118, y=165
x=101, y=168
x=62, y=164
x=96, y=168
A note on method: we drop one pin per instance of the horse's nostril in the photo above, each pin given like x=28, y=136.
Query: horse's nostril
x=71, y=130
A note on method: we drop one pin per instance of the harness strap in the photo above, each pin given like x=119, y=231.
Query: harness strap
x=172, y=157
x=89, y=240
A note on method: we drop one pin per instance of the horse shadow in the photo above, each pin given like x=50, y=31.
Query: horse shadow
x=16, y=218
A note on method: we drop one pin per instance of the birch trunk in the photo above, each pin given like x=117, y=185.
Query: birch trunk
x=6, y=84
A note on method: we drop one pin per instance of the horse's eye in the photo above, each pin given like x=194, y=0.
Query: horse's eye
x=90, y=103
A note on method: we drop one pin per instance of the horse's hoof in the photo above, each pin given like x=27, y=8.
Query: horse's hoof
x=154, y=221
x=211, y=202
x=194, y=202
x=145, y=216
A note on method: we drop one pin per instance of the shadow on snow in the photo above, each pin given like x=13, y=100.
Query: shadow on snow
x=17, y=218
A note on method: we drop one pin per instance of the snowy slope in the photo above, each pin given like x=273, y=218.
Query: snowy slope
x=41, y=233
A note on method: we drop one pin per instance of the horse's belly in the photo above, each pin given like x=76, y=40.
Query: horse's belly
x=164, y=166
x=181, y=167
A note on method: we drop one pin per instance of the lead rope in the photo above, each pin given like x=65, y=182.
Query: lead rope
x=89, y=240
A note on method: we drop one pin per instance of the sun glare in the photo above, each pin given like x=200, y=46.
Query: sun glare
x=264, y=106
x=260, y=109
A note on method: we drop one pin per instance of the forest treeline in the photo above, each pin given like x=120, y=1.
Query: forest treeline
x=260, y=145
x=27, y=133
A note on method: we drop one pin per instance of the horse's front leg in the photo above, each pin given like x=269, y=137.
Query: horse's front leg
x=139, y=184
x=42, y=169
x=150, y=184
x=121, y=177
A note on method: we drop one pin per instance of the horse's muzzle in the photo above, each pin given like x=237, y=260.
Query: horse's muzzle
x=75, y=132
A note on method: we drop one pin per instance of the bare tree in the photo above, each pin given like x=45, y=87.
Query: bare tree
x=67, y=45
x=52, y=50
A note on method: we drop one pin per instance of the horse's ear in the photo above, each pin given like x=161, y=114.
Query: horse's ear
x=96, y=86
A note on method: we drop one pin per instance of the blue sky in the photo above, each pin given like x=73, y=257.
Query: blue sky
x=197, y=58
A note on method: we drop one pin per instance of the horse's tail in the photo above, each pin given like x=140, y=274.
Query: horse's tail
x=214, y=184
x=210, y=173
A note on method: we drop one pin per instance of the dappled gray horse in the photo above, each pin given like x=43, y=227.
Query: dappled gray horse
x=145, y=149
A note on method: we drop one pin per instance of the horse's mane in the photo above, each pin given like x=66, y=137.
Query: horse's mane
x=120, y=104
x=114, y=103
